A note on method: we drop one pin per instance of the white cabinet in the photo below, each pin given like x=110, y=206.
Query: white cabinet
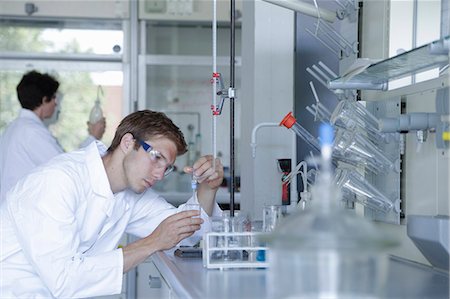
x=150, y=283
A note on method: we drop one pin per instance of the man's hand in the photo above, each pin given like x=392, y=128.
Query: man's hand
x=209, y=175
x=167, y=235
x=98, y=129
x=176, y=228
x=206, y=171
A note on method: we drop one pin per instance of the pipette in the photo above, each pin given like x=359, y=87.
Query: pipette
x=194, y=184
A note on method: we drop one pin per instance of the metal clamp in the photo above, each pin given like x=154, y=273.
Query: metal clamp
x=223, y=93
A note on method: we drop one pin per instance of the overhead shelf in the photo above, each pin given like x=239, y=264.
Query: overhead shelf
x=377, y=75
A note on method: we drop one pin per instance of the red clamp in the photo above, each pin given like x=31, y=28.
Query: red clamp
x=214, y=75
x=214, y=110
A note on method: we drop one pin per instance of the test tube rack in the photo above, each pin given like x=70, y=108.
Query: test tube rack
x=234, y=250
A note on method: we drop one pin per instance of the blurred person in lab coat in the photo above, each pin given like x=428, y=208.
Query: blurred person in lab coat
x=61, y=225
x=95, y=131
x=26, y=142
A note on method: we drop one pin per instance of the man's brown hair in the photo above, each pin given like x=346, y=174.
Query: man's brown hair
x=147, y=124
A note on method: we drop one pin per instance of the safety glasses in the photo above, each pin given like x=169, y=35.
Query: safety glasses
x=157, y=158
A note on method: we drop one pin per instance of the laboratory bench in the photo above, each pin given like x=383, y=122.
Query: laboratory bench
x=187, y=278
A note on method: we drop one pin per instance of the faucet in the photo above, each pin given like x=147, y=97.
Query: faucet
x=255, y=129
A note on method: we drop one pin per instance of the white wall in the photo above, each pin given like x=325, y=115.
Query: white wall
x=426, y=171
x=267, y=95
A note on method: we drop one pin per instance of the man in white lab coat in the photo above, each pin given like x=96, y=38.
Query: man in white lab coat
x=62, y=223
x=26, y=142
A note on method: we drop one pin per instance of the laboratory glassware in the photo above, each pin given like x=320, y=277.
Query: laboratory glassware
x=290, y=122
x=96, y=113
x=193, y=206
x=325, y=251
x=353, y=116
x=355, y=147
x=272, y=215
x=349, y=147
x=366, y=194
x=227, y=224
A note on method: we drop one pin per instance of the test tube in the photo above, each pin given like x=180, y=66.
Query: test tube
x=290, y=122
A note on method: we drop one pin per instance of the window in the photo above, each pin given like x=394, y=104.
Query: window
x=82, y=55
x=175, y=73
x=413, y=23
x=63, y=37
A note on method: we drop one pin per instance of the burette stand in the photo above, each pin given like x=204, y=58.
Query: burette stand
x=229, y=93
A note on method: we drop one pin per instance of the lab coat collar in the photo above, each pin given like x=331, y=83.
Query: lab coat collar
x=27, y=113
x=97, y=174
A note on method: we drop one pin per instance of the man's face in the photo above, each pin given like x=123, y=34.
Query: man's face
x=48, y=108
x=142, y=170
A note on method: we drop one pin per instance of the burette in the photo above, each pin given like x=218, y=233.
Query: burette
x=214, y=79
x=214, y=109
x=223, y=93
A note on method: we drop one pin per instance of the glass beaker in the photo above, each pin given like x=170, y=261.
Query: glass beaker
x=271, y=217
x=193, y=207
x=354, y=147
x=366, y=194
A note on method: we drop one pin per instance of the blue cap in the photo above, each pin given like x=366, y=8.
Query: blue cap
x=326, y=134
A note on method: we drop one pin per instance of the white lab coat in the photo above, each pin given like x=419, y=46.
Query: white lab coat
x=25, y=144
x=87, y=141
x=64, y=244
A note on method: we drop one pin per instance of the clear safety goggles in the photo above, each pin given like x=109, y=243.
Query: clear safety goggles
x=157, y=158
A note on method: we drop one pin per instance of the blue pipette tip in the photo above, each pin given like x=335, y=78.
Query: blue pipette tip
x=326, y=134
x=194, y=184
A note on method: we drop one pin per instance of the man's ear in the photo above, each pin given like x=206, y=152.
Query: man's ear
x=127, y=142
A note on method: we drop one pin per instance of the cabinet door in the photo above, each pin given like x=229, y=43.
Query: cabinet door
x=150, y=283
